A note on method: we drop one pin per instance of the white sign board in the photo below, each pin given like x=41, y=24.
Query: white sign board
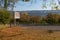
x=16, y=15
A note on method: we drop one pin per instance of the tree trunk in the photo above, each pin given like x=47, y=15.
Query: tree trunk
x=5, y=4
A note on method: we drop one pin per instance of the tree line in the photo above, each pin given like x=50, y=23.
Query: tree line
x=49, y=19
x=6, y=17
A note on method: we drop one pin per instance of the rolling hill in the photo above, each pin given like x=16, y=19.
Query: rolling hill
x=41, y=12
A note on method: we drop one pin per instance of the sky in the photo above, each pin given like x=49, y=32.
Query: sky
x=33, y=5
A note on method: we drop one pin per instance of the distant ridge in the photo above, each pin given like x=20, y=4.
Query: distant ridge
x=41, y=12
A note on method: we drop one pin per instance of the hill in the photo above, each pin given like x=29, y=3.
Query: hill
x=41, y=12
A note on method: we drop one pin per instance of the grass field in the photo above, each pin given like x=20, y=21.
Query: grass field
x=23, y=33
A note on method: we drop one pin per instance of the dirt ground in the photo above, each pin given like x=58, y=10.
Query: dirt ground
x=23, y=33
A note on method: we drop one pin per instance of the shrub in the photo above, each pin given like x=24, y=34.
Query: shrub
x=52, y=18
x=5, y=16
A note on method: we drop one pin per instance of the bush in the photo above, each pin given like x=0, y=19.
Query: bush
x=43, y=21
x=49, y=18
x=25, y=17
x=36, y=19
x=5, y=16
x=52, y=18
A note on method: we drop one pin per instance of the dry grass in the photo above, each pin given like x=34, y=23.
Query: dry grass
x=22, y=33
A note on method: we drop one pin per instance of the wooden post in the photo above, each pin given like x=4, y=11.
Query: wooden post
x=14, y=22
x=14, y=19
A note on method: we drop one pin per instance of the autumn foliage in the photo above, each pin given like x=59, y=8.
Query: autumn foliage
x=50, y=18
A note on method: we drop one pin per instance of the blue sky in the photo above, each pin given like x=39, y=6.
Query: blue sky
x=36, y=5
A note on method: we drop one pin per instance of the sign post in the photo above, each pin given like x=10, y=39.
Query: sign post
x=16, y=16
